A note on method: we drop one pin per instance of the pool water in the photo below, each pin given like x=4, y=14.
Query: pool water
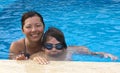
x=91, y=23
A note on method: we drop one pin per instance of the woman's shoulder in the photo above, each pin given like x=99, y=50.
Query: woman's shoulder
x=17, y=44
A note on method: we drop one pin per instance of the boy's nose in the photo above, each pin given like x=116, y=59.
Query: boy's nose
x=53, y=49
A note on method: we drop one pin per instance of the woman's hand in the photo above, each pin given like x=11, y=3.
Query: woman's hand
x=41, y=60
x=21, y=57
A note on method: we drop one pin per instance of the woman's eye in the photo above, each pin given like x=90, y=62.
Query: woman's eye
x=38, y=25
x=28, y=26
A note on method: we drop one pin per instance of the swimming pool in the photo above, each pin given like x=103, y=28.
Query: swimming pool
x=91, y=23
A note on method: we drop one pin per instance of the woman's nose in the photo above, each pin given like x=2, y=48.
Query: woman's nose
x=33, y=29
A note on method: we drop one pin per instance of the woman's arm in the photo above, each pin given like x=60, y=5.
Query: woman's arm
x=15, y=53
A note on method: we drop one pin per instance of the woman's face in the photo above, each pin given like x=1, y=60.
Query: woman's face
x=33, y=28
x=55, y=44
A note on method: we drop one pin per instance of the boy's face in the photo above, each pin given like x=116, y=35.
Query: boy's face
x=53, y=47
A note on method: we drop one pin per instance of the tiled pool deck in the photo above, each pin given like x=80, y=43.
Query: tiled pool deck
x=12, y=66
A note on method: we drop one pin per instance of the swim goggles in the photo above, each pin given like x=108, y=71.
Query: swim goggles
x=49, y=46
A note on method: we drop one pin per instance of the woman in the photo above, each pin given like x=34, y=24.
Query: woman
x=33, y=28
x=56, y=49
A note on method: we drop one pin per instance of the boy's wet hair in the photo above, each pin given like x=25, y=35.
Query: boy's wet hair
x=57, y=34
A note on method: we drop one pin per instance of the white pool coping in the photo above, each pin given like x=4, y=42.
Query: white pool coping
x=13, y=66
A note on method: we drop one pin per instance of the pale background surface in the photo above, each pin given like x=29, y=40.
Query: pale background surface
x=12, y=66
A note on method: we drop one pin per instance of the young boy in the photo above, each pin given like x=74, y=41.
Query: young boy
x=55, y=48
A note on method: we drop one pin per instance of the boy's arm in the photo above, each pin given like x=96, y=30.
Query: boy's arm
x=105, y=55
x=85, y=50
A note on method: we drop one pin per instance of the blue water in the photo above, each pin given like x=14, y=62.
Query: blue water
x=91, y=23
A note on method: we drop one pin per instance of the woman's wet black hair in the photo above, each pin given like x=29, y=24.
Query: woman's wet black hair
x=31, y=14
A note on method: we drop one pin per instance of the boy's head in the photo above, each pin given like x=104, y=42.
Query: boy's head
x=54, y=41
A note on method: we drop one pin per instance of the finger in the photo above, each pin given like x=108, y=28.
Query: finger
x=23, y=57
x=20, y=57
x=36, y=60
x=44, y=60
x=26, y=58
x=41, y=60
x=114, y=58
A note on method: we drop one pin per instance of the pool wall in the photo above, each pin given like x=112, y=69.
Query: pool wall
x=12, y=66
